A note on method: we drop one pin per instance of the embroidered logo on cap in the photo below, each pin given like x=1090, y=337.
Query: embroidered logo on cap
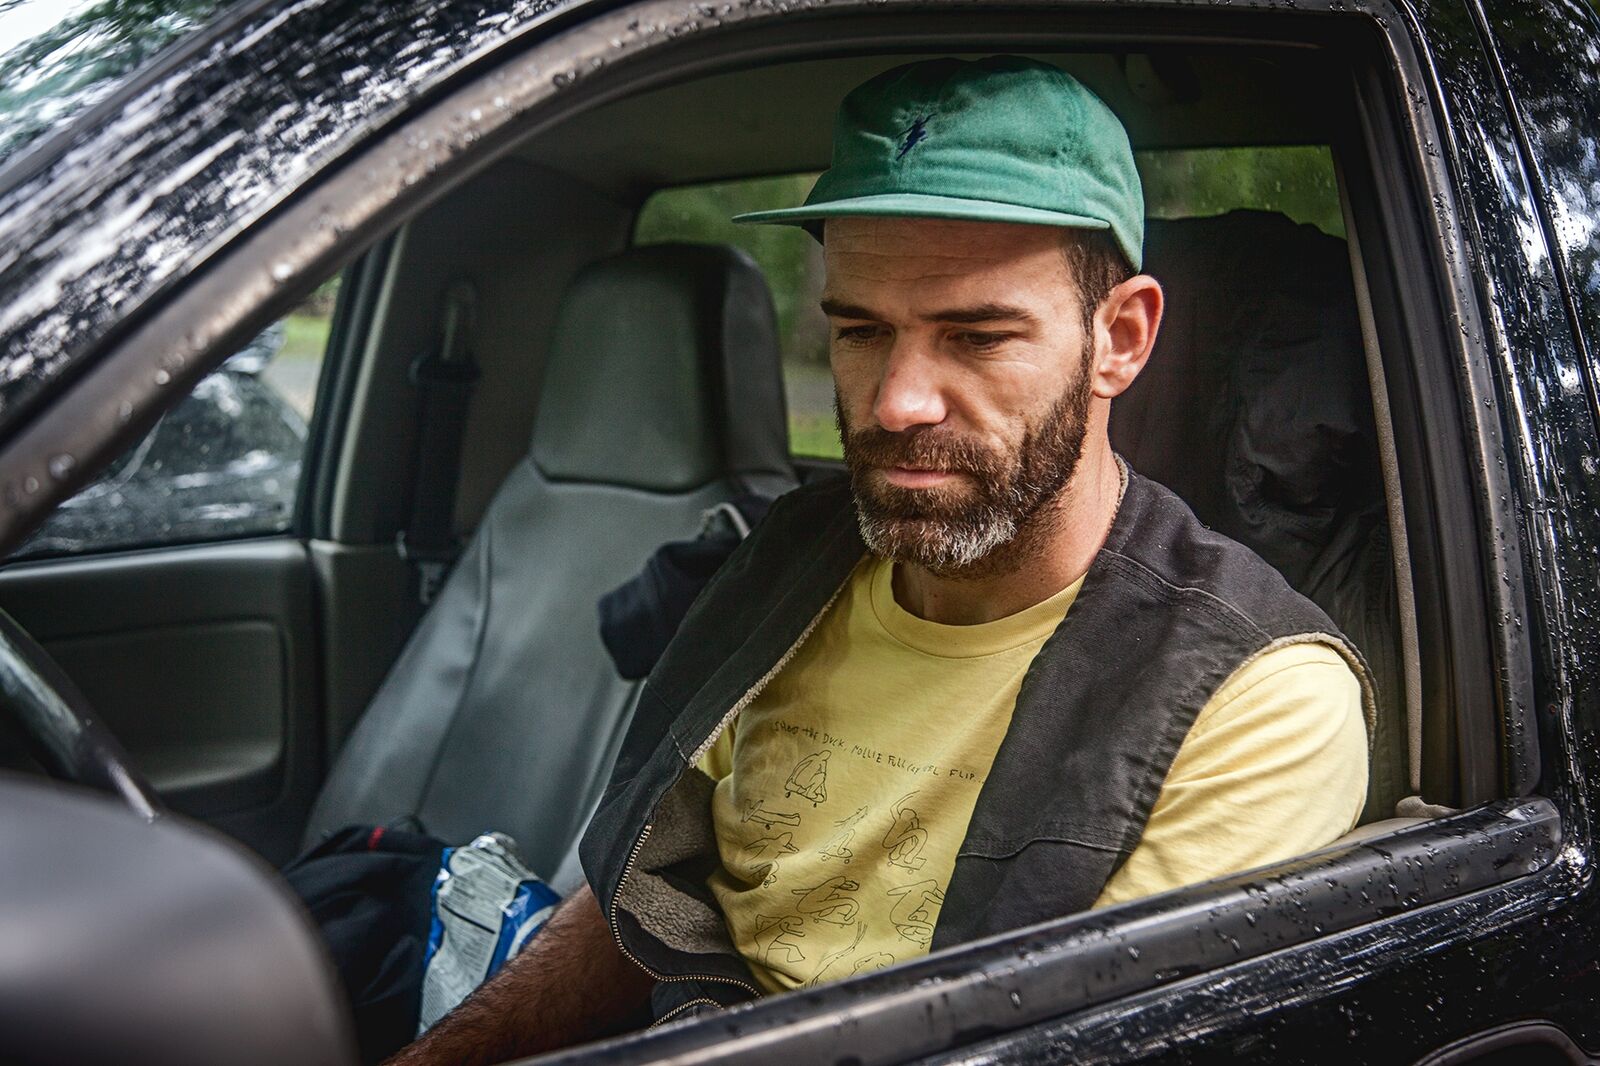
x=915, y=135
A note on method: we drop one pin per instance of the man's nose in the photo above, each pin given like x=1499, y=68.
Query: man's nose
x=910, y=393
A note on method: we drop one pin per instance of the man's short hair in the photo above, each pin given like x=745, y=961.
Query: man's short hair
x=1097, y=263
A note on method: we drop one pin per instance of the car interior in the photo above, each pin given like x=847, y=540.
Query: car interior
x=1260, y=370
x=633, y=369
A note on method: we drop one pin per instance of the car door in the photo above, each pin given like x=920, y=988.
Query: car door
x=182, y=589
x=1419, y=940
x=176, y=591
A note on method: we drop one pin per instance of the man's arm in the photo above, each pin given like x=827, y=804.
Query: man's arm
x=570, y=984
x=1275, y=766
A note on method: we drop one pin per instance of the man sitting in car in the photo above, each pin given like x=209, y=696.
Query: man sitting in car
x=993, y=678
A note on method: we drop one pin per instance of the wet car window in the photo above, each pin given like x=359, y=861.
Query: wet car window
x=1297, y=181
x=58, y=57
x=224, y=463
x=61, y=56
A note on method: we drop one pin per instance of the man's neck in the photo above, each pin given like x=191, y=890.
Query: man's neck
x=1065, y=543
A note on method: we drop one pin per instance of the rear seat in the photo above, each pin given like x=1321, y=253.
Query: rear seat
x=662, y=396
x=1255, y=407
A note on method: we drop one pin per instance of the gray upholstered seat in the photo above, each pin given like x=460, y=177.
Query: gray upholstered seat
x=662, y=396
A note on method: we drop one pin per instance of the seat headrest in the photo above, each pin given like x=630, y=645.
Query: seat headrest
x=663, y=374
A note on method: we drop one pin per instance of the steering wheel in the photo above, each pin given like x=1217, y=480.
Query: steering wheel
x=61, y=732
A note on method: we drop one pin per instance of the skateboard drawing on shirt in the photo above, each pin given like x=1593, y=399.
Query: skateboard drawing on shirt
x=829, y=901
x=763, y=855
x=838, y=845
x=774, y=934
x=918, y=906
x=755, y=812
x=906, y=838
x=875, y=961
x=809, y=778
x=834, y=956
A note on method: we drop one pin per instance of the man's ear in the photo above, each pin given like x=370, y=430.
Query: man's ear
x=1125, y=326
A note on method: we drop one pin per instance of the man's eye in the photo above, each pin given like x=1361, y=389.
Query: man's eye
x=855, y=335
x=981, y=341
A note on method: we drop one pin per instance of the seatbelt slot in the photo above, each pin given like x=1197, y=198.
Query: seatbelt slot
x=444, y=376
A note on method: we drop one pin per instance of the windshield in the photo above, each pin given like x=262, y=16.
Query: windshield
x=58, y=57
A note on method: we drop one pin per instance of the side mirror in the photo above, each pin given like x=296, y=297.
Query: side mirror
x=254, y=357
x=130, y=942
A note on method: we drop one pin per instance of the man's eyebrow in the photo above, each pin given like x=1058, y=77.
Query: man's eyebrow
x=836, y=309
x=984, y=312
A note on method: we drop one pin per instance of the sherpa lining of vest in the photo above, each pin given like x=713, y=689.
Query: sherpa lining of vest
x=681, y=832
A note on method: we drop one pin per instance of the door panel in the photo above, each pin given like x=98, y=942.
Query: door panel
x=185, y=744
x=202, y=661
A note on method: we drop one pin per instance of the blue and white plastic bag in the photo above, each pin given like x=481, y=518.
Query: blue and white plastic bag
x=486, y=905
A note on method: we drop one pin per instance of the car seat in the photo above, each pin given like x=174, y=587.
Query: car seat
x=1255, y=407
x=661, y=397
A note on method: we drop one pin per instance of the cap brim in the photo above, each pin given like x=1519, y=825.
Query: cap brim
x=921, y=205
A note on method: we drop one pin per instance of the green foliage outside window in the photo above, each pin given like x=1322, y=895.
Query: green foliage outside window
x=1297, y=181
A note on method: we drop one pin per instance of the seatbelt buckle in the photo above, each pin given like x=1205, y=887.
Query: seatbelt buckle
x=433, y=370
x=432, y=565
x=449, y=366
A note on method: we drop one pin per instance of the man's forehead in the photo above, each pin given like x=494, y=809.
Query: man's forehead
x=944, y=259
x=904, y=236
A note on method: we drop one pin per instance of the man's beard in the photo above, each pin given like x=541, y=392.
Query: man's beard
x=983, y=525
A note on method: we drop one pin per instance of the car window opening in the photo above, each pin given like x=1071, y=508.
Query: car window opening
x=224, y=464
x=1195, y=192
x=1204, y=202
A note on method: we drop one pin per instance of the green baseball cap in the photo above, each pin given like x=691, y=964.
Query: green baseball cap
x=1001, y=139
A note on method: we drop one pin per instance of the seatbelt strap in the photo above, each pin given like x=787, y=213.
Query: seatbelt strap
x=444, y=376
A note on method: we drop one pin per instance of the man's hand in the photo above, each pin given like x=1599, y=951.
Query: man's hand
x=570, y=984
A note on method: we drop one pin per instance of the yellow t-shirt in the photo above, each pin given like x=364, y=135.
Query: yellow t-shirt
x=845, y=788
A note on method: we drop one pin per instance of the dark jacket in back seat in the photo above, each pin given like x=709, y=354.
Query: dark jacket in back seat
x=1256, y=408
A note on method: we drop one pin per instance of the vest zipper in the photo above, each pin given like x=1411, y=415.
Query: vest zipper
x=679, y=1009
x=638, y=845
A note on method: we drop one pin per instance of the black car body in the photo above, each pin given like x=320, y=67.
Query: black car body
x=180, y=215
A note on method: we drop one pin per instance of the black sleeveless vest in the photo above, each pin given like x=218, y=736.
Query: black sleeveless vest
x=1167, y=611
